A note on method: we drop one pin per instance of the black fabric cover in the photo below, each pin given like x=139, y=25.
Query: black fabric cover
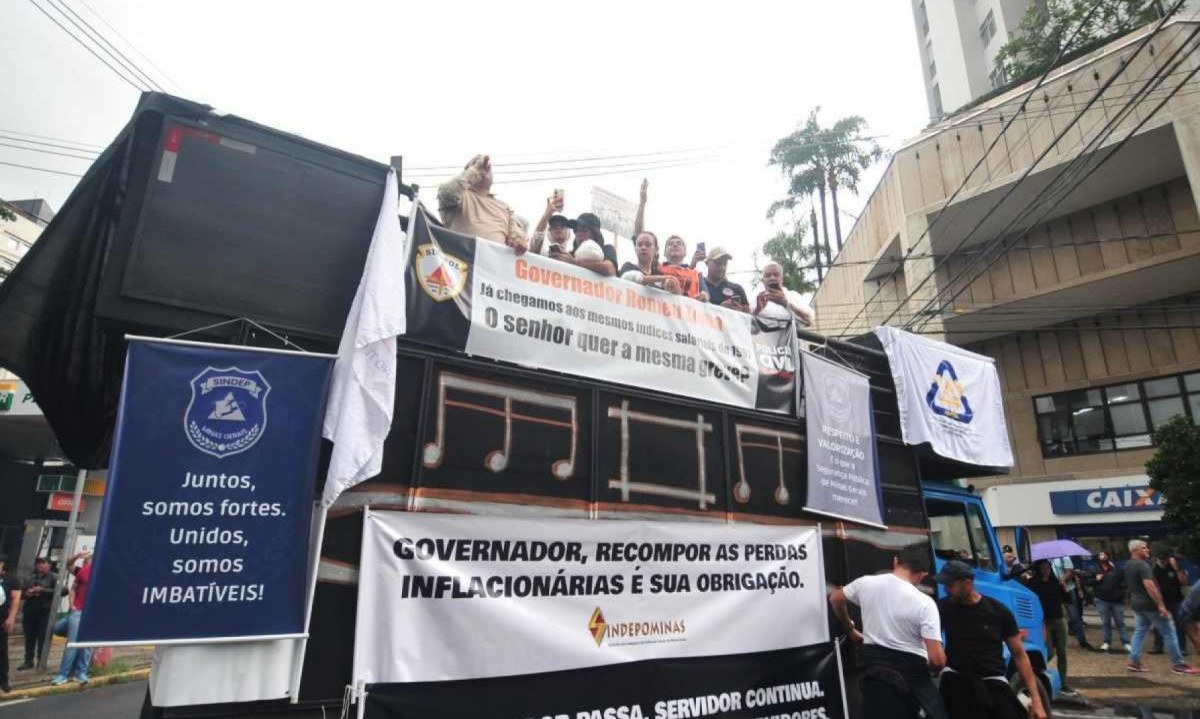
x=52, y=337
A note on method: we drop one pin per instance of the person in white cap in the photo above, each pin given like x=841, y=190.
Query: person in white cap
x=721, y=291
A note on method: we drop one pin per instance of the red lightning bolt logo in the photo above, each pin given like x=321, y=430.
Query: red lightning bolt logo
x=597, y=626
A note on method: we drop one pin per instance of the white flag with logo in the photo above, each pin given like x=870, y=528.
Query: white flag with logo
x=948, y=397
x=361, y=399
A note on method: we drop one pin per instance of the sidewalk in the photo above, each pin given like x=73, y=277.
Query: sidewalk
x=124, y=660
x=1102, y=678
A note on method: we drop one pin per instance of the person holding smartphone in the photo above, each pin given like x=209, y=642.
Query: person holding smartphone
x=778, y=302
x=721, y=291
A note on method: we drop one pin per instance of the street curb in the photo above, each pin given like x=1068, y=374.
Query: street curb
x=46, y=690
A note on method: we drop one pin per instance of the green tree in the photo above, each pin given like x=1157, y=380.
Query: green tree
x=7, y=214
x=818, y=161
x=1048, y=25
x=794, y=257
x=1174, y=470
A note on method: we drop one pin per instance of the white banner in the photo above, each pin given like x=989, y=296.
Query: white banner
x=466, y=597
x=948, y=397
x=538, y=312
x=615, y=212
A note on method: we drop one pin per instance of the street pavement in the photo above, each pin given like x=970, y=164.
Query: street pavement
x=116, y=701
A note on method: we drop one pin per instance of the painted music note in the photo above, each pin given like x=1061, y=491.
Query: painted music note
x=497, y=460
x=741, y=490
x=699, y=427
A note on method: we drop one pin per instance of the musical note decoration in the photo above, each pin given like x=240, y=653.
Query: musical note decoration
x=741, y=490
x=497, y=460
x=699, y=427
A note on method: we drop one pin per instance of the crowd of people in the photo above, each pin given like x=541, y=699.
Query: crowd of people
x=467, y=205
x=34, y=599
x=905, y=633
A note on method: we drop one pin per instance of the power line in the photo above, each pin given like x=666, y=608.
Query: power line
x=82, y=146
x=1029, y=170
x=48, y=152
x=133, y=47
x=87, y=47
x=1073, y=168
x=644, y=163
x=41, y=169
x=1062, y=197
x=101, y=42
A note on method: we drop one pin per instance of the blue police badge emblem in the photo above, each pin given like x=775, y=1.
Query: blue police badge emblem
x=228, y=411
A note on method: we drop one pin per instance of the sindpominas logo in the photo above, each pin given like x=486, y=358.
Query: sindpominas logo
x=228, y=410
x=947, y=396
x=597, y=627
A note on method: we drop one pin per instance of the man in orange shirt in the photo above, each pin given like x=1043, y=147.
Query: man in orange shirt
x=690, y=281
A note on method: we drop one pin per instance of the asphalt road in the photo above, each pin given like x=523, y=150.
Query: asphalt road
x=119, y=701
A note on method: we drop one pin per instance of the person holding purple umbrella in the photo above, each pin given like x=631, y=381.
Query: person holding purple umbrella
x=1052, y=593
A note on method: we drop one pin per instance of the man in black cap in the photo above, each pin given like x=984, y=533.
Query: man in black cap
x=589, y=250
x=974, y=683
x=10, y=602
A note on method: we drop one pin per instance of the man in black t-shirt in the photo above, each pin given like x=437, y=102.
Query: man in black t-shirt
x=1172, y=581
x=974, y=684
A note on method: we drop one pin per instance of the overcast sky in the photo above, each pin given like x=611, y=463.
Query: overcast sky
x=710, y=85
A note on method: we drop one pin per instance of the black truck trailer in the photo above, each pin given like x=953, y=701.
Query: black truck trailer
x=192, y=219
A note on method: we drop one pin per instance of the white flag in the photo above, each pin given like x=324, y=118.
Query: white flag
x=948, y=397
x=361, y=400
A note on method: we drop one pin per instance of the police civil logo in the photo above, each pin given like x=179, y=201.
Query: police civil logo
x=227, y=413
x=947, y=396
x=441, y=275
x=597, y=627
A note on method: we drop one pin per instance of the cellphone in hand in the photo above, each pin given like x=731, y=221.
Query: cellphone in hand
x=558, y=197
x=700, y=247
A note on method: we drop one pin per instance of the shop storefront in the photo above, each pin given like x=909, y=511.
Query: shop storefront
x=1100, y=514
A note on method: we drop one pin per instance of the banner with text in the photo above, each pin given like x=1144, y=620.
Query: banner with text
x=506, y=603
x=483, y=299
x=843, y=470
x=206, y=516
x=949, y=397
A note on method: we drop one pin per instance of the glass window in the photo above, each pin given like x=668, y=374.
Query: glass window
x=987, y=30
x=1089, y=422
x=1194, y=405
x=1045, y=404
x=1128, y=418
x=1123, y=393
x=1084, y=398
x=1133, y=442
x=1192, y=382
x=1163, y=387
x=1162, y=410
x=979, y=537
x=948, y=530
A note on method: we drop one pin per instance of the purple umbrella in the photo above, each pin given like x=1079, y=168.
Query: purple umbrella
x=1056, y=548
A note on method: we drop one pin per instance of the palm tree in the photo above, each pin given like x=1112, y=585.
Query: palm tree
x=847, y=155
x=819, y=160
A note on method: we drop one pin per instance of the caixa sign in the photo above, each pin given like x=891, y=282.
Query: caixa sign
x=1099, y=501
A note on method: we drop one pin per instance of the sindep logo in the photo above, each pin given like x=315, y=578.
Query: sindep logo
x=227, y=413
x=656, y=631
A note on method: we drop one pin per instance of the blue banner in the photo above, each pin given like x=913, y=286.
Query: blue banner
x=1137, y=498
x=204, y=531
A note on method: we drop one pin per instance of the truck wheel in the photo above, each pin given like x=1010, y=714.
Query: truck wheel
x=1043, y=690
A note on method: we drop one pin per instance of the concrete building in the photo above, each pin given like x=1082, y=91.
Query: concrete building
x=1008, y=229
x=958, y=41
x=17, y=236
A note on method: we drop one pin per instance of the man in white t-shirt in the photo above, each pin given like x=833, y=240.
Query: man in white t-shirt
x=901, y=637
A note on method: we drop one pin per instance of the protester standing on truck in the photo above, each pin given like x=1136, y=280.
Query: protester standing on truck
x=559, y=226
x=901, y=637
x=690, y=282
x=1150, y=611
x=588, y=250
x=722, y=291
x=468, y=206
x=974, y=684
x=1052, y=594
x=778, y=302
x=1110, y=601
